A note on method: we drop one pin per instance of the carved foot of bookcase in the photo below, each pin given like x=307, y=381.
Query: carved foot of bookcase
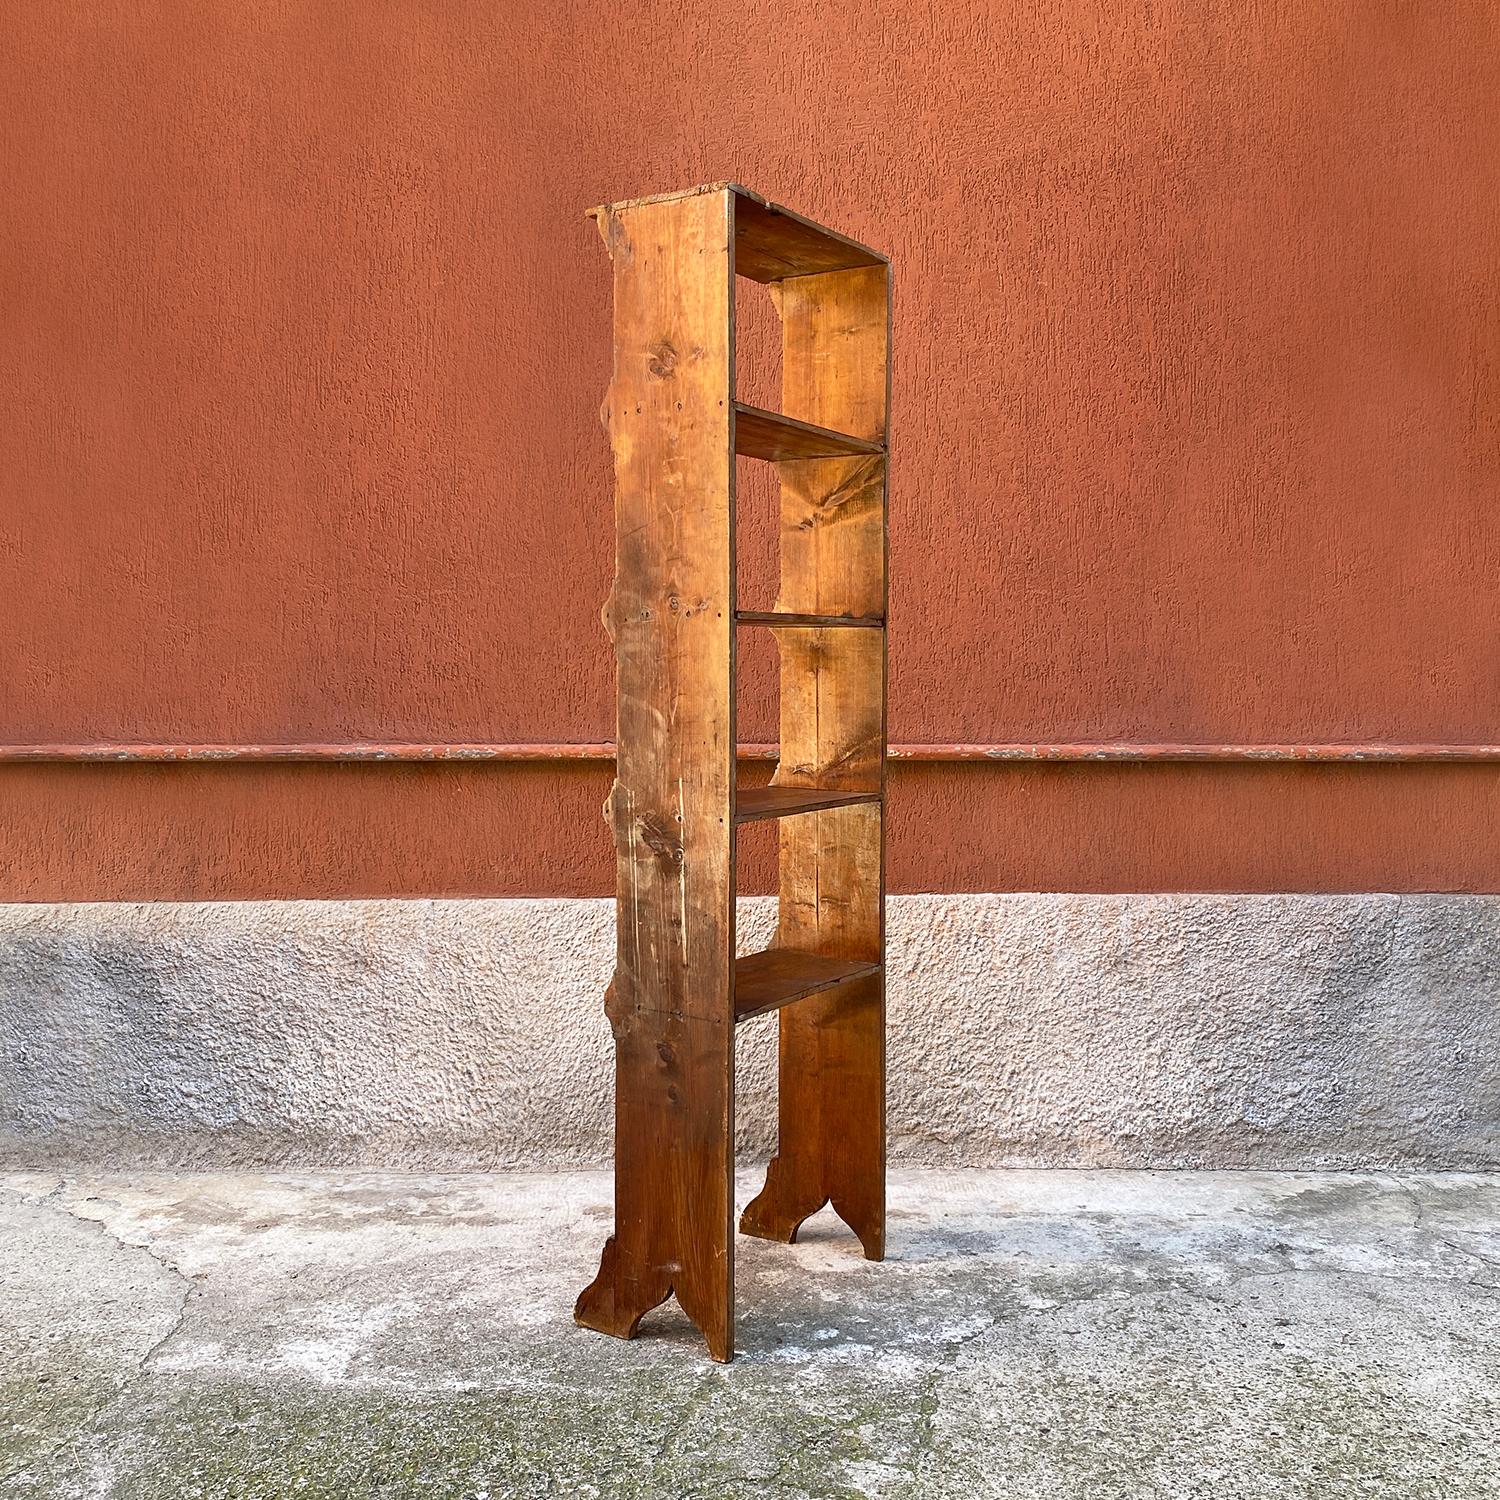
x=632, y=1282
x=673, y=1195
x=628, y=1286
x=616, y=1300
x=783, y=1205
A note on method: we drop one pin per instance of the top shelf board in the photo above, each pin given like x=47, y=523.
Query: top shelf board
x=771, y=243
x=769, y=435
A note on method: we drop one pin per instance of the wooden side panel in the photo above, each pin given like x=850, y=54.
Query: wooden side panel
x=835, y=347
x=670, y=614
x=832, y=709
x=833, y=561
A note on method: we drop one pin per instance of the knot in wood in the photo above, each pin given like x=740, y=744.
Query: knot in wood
x=662, y=360
x=665, y=843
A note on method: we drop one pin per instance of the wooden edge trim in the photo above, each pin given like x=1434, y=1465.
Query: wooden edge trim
x=740, y=190
x=604, y=750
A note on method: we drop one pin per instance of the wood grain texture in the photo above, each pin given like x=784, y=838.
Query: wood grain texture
x=670, y=615
x=831, y=1094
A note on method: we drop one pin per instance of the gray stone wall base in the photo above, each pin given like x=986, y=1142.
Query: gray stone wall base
x=1025, y=1030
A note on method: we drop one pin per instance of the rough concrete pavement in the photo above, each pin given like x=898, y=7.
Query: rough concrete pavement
x=1033, y=1334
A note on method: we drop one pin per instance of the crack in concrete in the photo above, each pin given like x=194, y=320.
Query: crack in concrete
x=926, y=1443
x=1490, y=1262
x=190, y=1287
x=780, y=1481
x=1418, y=1209
x=671, y=1435
x=54, y=1201
x=1419, y=1222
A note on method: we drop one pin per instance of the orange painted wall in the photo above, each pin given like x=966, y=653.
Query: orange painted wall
x=1197, y=420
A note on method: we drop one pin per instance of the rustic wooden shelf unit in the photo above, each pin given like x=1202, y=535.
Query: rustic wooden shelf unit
x=678, y=990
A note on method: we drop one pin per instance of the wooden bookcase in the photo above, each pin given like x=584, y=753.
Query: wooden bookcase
x=678, y=990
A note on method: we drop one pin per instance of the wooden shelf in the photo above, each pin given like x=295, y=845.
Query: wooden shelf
x=767, y=981
x=778, y=620
x=768, y=434
x=752, y=803
x=772, y=243
x=675, y=261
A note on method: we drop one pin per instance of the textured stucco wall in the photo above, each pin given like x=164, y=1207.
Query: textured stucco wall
x=1195, y=435
x=1024, y=1029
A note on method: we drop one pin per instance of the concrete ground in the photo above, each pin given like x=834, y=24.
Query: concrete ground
x=1033, y=1334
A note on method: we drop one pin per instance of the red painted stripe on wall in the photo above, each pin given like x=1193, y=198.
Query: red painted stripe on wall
x=604, y=750
x=215, y=831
